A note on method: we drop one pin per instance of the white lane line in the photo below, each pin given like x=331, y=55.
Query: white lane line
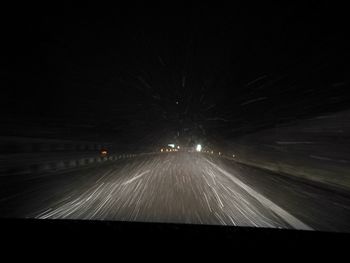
x=290, y=219
x=136, y=177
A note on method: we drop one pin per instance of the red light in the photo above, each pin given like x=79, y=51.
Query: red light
x=104, y=152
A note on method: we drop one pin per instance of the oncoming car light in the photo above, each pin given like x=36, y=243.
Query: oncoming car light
x=198, y=148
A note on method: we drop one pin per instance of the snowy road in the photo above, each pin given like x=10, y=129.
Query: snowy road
x=179, y=188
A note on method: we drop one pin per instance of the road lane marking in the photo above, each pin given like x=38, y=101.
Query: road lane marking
x=290, y=219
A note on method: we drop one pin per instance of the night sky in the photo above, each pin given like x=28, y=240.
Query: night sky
x=152, y=74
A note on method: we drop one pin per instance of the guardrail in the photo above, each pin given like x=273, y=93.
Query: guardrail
x=20, y=155
x=15, y=166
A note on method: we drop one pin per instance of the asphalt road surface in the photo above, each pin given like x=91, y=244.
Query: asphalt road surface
x=177, y=187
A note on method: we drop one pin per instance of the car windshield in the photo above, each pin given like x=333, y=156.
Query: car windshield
x=229, y=115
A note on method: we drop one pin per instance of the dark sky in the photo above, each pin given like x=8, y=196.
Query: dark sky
x=157, y=73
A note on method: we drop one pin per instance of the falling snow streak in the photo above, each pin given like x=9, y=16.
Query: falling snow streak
x=253, y=100
x=256, y=80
